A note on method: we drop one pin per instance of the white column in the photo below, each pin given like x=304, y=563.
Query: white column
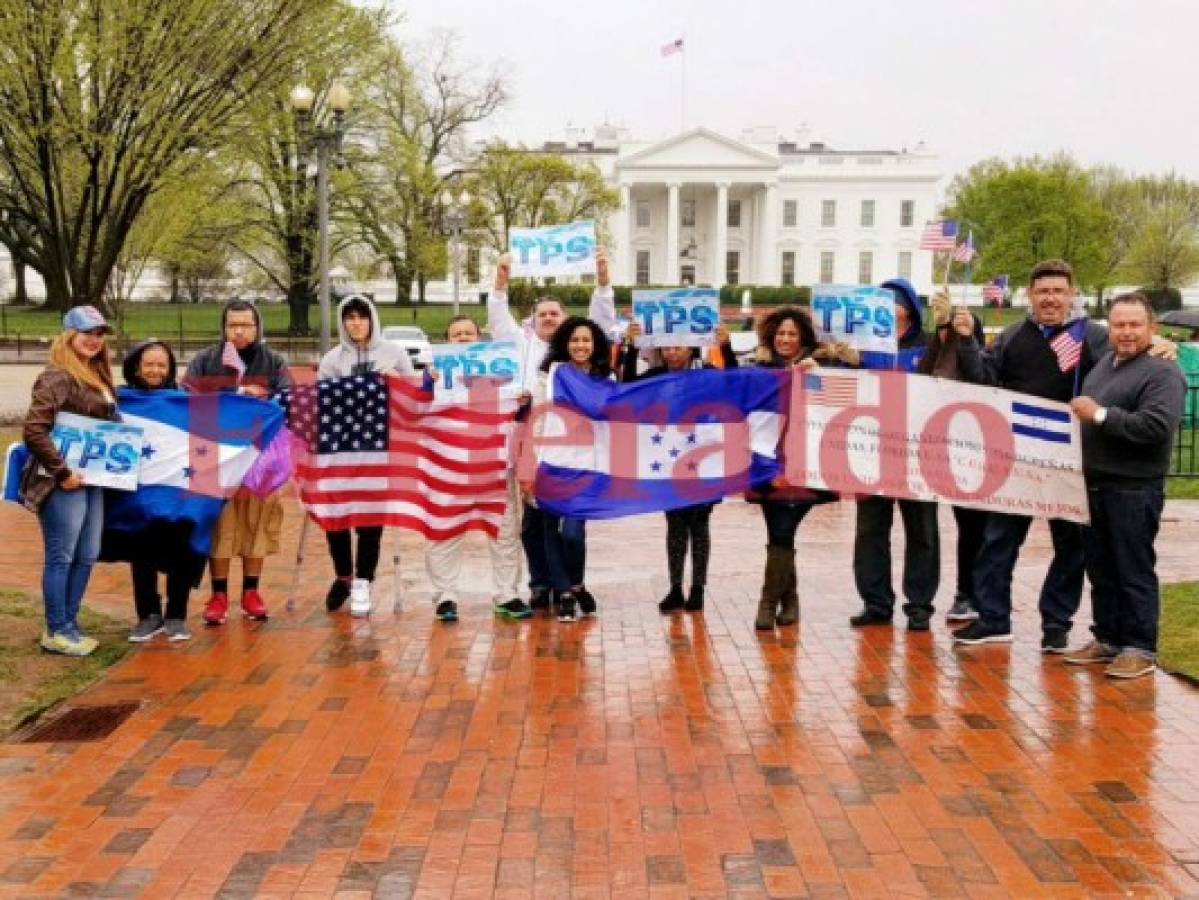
x=671, y=269
x=722, y=234
x=624, y=270
x=768, y=250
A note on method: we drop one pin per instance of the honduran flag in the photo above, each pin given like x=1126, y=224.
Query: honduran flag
x=606, y=450
x=197, y=450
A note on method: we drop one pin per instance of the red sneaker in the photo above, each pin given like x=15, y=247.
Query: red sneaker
x=252, y=605
x=216, y=609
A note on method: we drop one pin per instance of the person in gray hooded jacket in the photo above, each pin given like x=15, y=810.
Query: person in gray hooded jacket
x=362, y=350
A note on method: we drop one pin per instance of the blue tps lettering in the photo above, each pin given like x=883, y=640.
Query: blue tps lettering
x=473, y=367
x=119, y=457
x=548, y=249
x=674, y=317
x=857, y=315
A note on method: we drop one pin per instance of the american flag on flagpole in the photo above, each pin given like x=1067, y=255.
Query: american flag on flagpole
x=939, y=236
x=231, y=359
x=379, y=451
x=675, y=46
x=995, y=290
x=831, y=390
x=1067, y=344
x=964, y=252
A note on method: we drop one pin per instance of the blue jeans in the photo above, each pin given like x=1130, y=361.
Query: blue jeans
x=1061, y=592
x=782, y=521
x=71, y=524
x=565, y=550
x=532, y=537
x=1121, y=565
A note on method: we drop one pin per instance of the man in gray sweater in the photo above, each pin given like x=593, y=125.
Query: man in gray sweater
x=1129, y=407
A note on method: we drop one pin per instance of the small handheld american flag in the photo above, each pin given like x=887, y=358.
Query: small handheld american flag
x=675, y=46
x=993, y=291
x=939, y=236
x=231, y=359
x=1067, y=344
x=964, y=252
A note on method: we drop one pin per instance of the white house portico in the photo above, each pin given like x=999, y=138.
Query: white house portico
x=703, y=208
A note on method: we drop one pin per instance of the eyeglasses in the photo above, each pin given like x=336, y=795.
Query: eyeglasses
x=241, y=325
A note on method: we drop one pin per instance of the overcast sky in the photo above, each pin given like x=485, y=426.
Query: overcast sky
x=1108, y=81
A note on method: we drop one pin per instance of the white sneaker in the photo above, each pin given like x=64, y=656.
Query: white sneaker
x=360, y=598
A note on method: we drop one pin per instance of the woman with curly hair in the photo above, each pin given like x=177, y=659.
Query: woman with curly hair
x=787, y=339
x=580, y=343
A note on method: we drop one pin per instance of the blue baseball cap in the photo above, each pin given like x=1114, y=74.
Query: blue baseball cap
x=85, y=318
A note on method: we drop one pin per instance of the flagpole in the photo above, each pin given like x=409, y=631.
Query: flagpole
x=683, y=86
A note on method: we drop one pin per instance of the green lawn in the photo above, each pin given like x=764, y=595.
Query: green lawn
x=1179, y=641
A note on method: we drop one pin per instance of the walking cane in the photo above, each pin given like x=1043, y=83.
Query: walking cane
x=295, y=575
x=397, y=604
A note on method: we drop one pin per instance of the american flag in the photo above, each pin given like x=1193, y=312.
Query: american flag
x=939, y=235
x=1067, y=344
x=381, y=452
x=964, y=252
x=831, y=390
x=231, y=359
x=673, y=47
x=994, y=291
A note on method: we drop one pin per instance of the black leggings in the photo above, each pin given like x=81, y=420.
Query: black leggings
x=145, y=591
x=340, y=549
x=690, y=523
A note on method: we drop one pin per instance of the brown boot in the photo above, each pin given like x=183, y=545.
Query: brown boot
x=789, y=603
x=778, y=561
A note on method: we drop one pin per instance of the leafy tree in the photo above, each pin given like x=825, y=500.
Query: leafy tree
x=422, y=110
x=514, y=187
x=1028, y=210
x=104, y=100
x=1164, y=254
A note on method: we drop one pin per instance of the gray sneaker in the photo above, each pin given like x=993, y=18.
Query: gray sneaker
x=962, y=610
x=176, y=630
x=146, y=629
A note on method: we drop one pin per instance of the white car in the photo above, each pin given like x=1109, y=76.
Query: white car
x=414, y=340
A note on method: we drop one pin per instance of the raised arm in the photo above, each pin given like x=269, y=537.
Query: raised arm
x=602, y=310
x=500, y=321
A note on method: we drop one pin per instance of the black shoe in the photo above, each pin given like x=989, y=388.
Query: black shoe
x=566, y=607
x=587, y=604
x=539, y=600
x=339, y=593
x=1054, y=641
x=918, y=623
x=870, y=616
x=695, y=599
x=978, y=633
x=513, y=609
x=962, y=610
x=673, y=601
x=447, y=611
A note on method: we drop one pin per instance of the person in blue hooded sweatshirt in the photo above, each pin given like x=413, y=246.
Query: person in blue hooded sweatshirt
x=872, y=536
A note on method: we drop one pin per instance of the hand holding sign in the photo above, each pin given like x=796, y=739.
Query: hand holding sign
x=550, y=252
x=503, y=271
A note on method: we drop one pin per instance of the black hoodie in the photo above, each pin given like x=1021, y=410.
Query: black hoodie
x=207, y=373
x=133, y=362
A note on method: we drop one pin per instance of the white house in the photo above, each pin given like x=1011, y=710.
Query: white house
x=703, y=208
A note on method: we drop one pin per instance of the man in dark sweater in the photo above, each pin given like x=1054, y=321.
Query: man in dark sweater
x=1047, y=356
x=1130, y=407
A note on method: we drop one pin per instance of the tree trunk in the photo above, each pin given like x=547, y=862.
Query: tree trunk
x=403, y=275
x=422, y=281
x=18, y=274
x=299, y=290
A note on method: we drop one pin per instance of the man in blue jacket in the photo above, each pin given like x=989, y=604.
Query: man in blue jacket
x=872, y=537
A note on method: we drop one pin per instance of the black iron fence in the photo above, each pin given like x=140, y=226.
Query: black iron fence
x=1185, y=463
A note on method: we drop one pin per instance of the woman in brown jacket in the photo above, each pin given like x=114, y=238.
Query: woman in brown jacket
x=78, y=380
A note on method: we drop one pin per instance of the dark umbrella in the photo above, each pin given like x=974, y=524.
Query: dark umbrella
x=1186, y=318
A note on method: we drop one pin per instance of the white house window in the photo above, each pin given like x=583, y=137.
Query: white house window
x=687, y=276
x=642, y=268
x=828, y=214
x=865, y=267
x=790, y=213
x=732, y=267
x=643, y=214
x=867, y=213
x=734, y=214
x=788, y=267
x=827, y=267
x=907, y=213
x=904, y=268
x=687, y=214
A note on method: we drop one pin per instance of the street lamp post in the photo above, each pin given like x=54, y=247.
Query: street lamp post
x=455, y=221
x=325, y=140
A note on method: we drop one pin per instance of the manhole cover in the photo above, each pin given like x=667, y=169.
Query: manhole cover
x=83, y=723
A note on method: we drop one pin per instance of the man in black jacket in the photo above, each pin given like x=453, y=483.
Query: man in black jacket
x=1046, y=357
x=249, y=526
x=1129, y=408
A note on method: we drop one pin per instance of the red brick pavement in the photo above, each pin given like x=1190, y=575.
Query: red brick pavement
x=632, y=755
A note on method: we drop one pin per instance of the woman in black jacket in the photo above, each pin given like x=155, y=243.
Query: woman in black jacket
x=689, y=524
